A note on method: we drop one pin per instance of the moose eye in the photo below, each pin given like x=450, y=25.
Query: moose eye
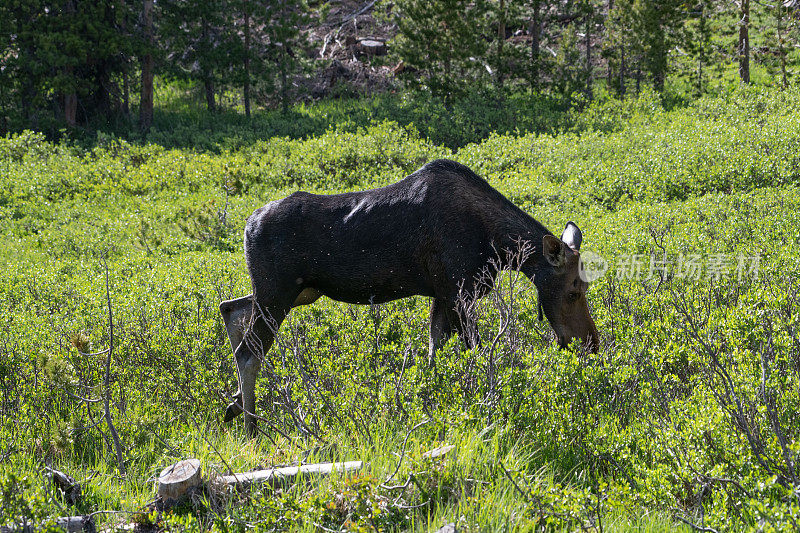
x=573, y=296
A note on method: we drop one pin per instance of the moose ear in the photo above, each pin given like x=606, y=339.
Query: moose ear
x=553, y=250
x=572, y=236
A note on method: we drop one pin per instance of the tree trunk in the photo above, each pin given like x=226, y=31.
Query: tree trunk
x=638, y=81
x=609, y=73
x=208, y=85
x=501, y=39
x=247, y=60
x=70, y=108
x=126, y=82
x=102, y=94
x=146, y=104
x=536, y=37
x=781, y=47
x=622, y=70
x=70, y=97
x=207, y=76
x=126, y=91
x=284, y=80
x=589, y=55
x=744, y=41
x=703, y=30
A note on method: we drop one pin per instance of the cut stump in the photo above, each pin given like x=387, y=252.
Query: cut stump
x=174, y=481
x=372, y=48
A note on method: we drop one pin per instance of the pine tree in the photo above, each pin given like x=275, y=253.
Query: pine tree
x=590, y=14
x=443, y=41
x=7, y=84
x=704, y=20
x=67, y=58
x=640, y=35
x=284, y=21
x=780, y=29
x=508, y=60
x=200, y=38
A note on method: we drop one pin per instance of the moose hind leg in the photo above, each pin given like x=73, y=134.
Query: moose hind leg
x=256, y=343
x=460, y=316
x=440, y=328
x=236, y=315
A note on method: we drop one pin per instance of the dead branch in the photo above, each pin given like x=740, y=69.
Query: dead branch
x=107, y=380
x=402, y=455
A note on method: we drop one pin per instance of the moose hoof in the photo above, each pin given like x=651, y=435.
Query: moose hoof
x=232, y=411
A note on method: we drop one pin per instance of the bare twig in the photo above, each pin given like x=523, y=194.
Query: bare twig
x=694, y=526
x=526, y=495
x=107, y=380
x=203, y=434
x=403, y=454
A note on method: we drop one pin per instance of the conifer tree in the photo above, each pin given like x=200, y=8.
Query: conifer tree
x=200, y=39
x=283, y=22
x=442, y=41
x=640, y=35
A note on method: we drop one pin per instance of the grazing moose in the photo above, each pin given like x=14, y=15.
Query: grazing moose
x=434, y=233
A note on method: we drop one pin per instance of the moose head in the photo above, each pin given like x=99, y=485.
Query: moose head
x=562, y=289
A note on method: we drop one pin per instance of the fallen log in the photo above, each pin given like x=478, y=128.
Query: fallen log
x=275, y=476
x=177, y=480
x=70, y=524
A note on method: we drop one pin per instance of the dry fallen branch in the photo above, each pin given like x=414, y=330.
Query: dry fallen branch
x=69, y=524
x=277, y=476
x=180, y=479
x=67, y=485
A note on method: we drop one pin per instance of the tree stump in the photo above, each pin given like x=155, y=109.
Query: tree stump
x=174, y=481
x=372, y=48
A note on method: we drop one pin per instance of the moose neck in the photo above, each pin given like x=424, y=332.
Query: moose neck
x=521, y=242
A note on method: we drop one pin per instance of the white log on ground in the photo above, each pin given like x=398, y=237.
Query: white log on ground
x=70, y=524
x=275, y=476
x=174, y=481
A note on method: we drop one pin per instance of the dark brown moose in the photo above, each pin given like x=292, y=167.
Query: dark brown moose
x=435, y=233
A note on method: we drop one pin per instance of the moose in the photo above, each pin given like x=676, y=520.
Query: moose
x=433, y=233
